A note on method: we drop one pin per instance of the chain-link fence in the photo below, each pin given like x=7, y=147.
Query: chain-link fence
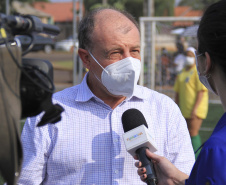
x=161, y=39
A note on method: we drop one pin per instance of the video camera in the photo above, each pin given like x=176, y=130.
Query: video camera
x=26, y=88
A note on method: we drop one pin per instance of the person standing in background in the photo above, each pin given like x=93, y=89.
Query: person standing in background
x=192, y=98
x=210, y=166
x=165, y=60
x=179, y=58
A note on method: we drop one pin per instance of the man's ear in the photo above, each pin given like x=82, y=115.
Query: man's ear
x=208, y=63
x=84, y=55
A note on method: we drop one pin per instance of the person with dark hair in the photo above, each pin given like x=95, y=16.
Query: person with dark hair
x=210, y=166
x=85, y=146
x=164, y=68
x=179, y=60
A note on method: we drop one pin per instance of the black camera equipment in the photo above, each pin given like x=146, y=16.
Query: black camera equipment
x=26, y=88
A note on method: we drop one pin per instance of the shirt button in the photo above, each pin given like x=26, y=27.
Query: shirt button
x=116, y=171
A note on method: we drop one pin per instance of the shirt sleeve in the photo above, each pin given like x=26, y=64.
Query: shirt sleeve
x=36, y=142
x=181, y=152
x=210, y=167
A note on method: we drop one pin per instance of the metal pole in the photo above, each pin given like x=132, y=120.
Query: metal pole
x=80, y=76
x=80, y=9
x=142, y=31
x=153, y=30
x=149, y=46
x=7, y=7
x=75, y=79
x=104, y=2
x=151, y=8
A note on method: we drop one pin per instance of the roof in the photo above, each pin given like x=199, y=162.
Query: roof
x=61, y=11
x=186, y=11
x=25, y=8
x=180, y=10
x=191, y=31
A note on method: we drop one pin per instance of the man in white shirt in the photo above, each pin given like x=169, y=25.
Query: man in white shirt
x=86, y=146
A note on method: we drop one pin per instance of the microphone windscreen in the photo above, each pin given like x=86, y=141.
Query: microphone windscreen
x=132, y=118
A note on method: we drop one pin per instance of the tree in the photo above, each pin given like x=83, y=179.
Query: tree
x=197, y=4
x=3, y=4
x=164, y=8
x=135, y=7
x=91, y=4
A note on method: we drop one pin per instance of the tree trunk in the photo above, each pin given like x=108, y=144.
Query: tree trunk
x=104, y=2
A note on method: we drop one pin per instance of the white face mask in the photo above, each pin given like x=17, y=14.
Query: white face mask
x=204, y=79
x=120, y=78
x=189, y=61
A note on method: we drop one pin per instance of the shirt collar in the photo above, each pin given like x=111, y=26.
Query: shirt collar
x=84, y=93
x=138, y=93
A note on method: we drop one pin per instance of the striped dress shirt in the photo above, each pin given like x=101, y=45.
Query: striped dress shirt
x=86, y=146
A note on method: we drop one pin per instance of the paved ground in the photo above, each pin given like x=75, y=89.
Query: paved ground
x=53, y=57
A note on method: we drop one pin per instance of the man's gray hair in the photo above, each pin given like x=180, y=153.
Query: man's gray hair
x=86, y=27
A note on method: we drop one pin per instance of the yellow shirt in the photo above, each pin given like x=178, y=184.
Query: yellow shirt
x=187, y=85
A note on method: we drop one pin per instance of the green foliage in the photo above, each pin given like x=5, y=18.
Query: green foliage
x=164, y=8
x=214, y=114
x=197, y=4
x=135, y=7
x=98, y=5
x=91, y=4
x=119, y=5
x=1, y=180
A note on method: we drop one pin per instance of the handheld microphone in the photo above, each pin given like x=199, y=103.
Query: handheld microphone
x=137, y=139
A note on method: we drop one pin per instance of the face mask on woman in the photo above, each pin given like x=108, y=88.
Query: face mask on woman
x=120, y=78
x=204, y=79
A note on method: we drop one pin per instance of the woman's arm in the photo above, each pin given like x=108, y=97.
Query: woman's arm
x=167, y=173
x=197, y=102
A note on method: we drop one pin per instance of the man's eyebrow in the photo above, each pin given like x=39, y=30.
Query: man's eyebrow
x=119, y=48
x=106, y=52
x=137, y=46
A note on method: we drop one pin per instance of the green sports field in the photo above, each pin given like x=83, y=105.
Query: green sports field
x=214, y=114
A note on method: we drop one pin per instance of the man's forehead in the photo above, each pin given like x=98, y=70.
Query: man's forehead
x=112, y=18
x=108, y=14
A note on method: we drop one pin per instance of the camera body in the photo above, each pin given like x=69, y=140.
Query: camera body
x=26, y=88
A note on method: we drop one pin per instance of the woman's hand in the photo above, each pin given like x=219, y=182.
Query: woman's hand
x=167, y=173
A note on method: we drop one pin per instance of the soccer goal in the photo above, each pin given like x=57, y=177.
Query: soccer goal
x=160, y=39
